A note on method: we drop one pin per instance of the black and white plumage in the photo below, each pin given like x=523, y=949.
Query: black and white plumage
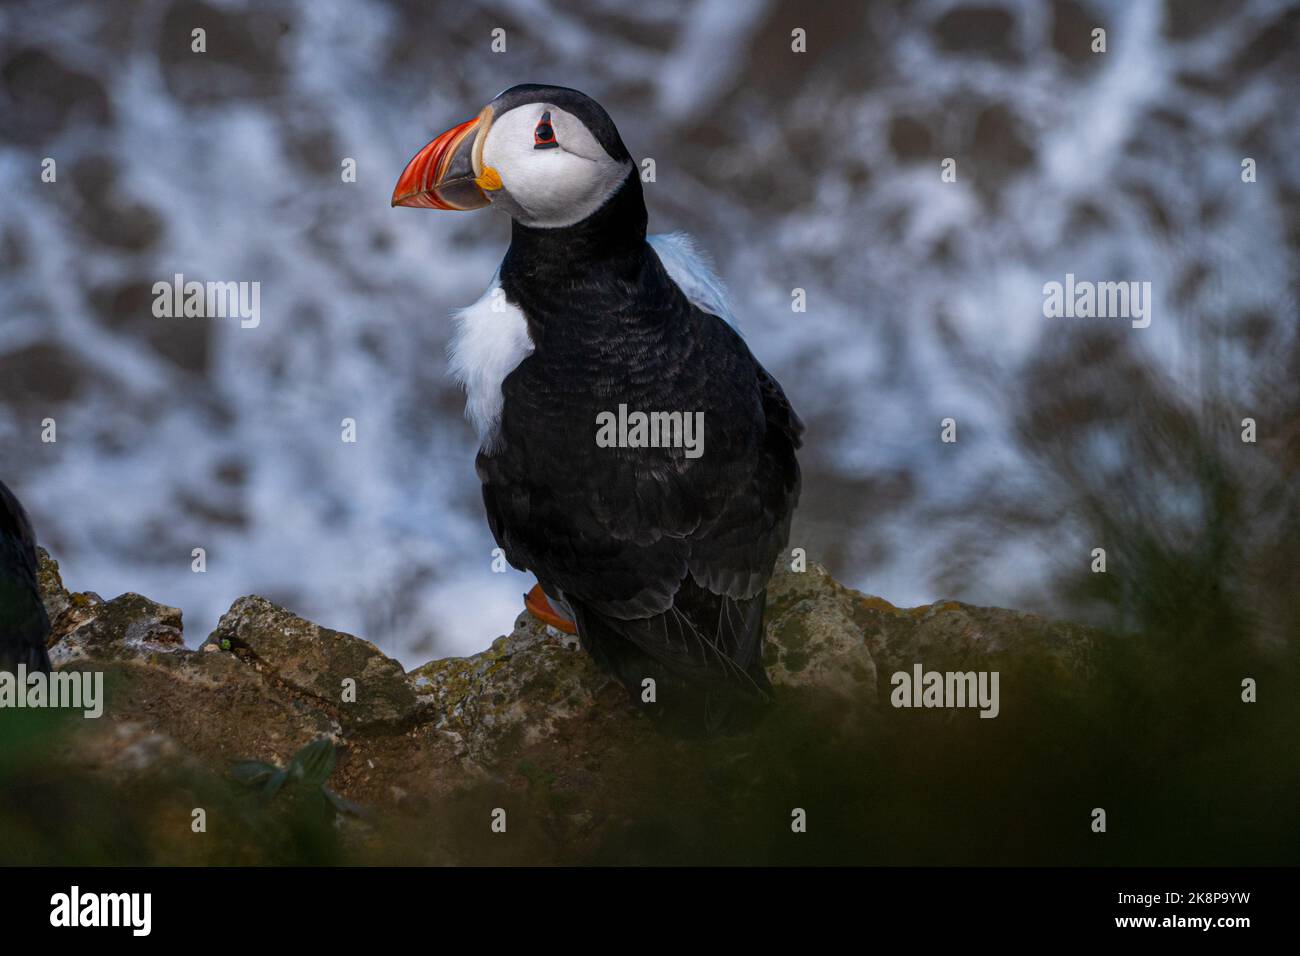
x=24, y=624
x=663, y=559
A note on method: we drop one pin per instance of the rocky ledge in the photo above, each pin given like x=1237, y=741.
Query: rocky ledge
x=529, y=723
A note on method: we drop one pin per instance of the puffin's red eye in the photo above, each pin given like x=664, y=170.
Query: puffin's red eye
x=544, y=134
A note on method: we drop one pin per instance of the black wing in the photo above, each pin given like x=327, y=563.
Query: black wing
x=665, y=555
x=23, y=621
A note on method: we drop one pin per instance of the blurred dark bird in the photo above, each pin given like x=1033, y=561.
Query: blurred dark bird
x=24, y=624
x=659, y=548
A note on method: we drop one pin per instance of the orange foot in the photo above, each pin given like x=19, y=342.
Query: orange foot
x=540, y=608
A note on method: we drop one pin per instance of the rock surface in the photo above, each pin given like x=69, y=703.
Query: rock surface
x=343, y=674
x=530, y=716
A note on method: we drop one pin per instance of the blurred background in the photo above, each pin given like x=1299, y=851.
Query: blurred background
x=816, y=170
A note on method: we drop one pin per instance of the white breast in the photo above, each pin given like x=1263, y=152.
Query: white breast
x=490, y=340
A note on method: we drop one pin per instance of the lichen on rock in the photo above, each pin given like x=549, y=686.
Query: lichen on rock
x=345, y=674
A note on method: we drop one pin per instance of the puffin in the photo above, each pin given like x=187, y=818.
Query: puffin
x=634, y=455
x=24, y=625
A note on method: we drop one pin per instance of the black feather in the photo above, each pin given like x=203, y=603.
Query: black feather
x=664, y=559
x=24, y=624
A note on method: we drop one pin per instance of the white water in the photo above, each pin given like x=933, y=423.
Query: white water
x=385, y=538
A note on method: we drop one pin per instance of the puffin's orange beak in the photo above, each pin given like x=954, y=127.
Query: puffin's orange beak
x=449, y=172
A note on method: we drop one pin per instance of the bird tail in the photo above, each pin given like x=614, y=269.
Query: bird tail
x=704, y=656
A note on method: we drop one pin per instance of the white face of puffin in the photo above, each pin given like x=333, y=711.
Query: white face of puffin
x=553, y=172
